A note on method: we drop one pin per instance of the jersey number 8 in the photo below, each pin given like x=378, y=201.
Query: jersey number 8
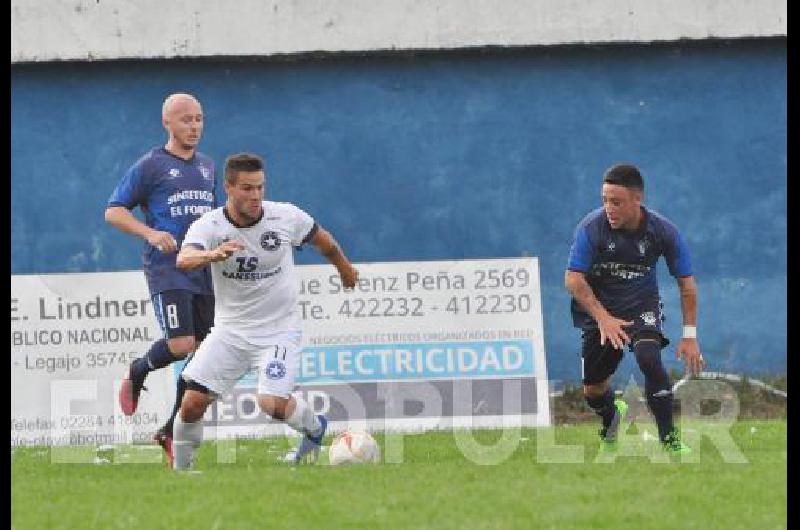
x=172, y=316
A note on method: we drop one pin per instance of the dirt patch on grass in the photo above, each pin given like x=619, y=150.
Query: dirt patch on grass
x=755, y=402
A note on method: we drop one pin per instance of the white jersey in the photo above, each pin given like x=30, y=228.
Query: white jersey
x=255, y=289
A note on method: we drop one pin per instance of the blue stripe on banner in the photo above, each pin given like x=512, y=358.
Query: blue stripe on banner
x=425, y=360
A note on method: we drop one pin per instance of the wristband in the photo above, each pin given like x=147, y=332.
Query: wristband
x=689, y=332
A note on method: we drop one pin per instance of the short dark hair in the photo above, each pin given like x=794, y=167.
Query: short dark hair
x=626, y=175
x=241, y=162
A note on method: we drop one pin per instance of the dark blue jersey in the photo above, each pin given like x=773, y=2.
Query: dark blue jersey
x=620, y=265
x=172, y=193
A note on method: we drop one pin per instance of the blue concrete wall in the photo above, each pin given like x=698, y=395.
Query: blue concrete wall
x=449, y=155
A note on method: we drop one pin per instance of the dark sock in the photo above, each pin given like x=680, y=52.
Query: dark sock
x=660, y=404
x=179, y=391
x=603, y=406
x=158, y=356
x=656, y=384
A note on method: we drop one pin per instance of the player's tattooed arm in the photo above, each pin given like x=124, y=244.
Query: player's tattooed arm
x=688, y=290
x=326, y=245
x=193, y=256
x=611, y=328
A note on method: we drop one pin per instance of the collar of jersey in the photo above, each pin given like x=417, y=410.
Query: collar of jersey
x=231, y=221
x=173, y=155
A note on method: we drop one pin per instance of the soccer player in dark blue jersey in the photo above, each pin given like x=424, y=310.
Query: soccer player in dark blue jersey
x=173, y=186
x=611, y=276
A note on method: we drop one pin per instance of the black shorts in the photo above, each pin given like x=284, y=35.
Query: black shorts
x=182, y=313
x=598, y=363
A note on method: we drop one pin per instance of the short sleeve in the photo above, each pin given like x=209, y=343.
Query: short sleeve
x=199, y=234
x=302, y=226
x=131, y=190
x=676, y=254
x=581, y=252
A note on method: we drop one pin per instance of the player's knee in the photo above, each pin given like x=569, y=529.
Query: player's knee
x=274, y=406
x=595, y=390
x=648, y=353
x=180, y=347
x=648, y=357
x=194, y=405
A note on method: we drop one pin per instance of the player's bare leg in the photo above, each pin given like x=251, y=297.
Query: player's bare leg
x=181, y=347
x=188, y=427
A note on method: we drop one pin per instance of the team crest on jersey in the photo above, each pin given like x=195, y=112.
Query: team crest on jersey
x=643, y=244
x=270, y=241
x=205, y=172
x=275, y=369
x=174, y=173
x=649, y=318
x=611, y=246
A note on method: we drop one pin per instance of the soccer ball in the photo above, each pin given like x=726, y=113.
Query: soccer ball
x=354, y=447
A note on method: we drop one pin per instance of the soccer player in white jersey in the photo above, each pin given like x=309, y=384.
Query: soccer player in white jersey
x=248, y=243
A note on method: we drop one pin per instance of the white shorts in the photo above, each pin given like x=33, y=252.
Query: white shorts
x=225, y=356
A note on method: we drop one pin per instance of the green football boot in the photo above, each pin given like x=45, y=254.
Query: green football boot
x=673, y=444
x=608, y=435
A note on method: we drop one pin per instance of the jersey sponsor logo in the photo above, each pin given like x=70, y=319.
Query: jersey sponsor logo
x=185, y=195
x=625, y=271
x=250, y=275
x=195, y=210
x=275, y=369
x=270, y=240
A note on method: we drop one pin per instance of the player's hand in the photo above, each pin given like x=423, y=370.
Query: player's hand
x=163, y=241
x=611, y=330
x=225, y=250
x=689, y=349
x=349, y=276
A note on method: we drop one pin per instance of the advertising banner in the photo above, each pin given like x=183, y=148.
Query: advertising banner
x=414, y=346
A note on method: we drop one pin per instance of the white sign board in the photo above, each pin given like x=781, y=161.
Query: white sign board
x=72, y=339
x=416, y=345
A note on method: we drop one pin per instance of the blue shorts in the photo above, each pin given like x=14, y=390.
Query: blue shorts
x=182, y=313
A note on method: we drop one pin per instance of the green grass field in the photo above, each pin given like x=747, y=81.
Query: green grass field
x=435, y=486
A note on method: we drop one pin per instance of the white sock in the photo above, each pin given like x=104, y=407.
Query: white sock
x=186, y=437
x=303, y=418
